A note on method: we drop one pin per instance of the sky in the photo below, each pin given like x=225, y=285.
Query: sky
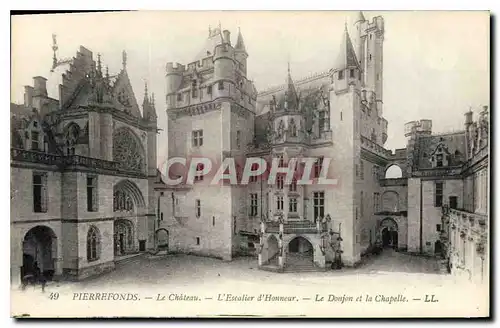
x=436, y=64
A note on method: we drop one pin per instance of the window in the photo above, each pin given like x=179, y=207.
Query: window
x=356, y=166
x=351, y=73
x=376, y=202
x=281, y=162
x=213, y=221
x=319, y=204
x=221, y=85
x=93, y=244
x=199, y=170
x=453, y=202
x=280, y=181
x=362, y=170
x=45, y=144
x=235, y=225
x=439, y=160
x=34, y=140
x=197, y=138
x=197, y=240
x=179, y=97
x=198, y=207
x=341, y=75
x=35, y=124
x=438, y=227
x=293, y=128
x=370, y=56
x=209, y=90
x=292, y=205
x=238, y=139
x=318, y=166
x=322, y=121
x=161, y=216
x=194, y=90
x=40, y=192
x=361, y=204
x=92, y=200
x=253, y=178
x=279, y=203
x=438, y=200
x=293, y=185
x=253, y=205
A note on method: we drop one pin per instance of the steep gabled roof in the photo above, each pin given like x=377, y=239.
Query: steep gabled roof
x=346, y=56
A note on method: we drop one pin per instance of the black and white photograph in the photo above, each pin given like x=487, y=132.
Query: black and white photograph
x=200, y=164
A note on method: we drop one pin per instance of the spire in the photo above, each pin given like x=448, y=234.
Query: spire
x=360, y=18
x=291, y=97
x=99, y=67
x=124, y=59
x=347, y=56
x=146, y=95
x=240, y=44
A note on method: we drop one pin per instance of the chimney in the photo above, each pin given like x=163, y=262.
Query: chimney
x=468, y=118
x=40, y=86
x=28, y=96
x=227, y=36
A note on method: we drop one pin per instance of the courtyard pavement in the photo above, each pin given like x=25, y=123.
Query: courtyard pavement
x=162, y=282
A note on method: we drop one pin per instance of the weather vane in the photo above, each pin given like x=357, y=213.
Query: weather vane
x=55, y=62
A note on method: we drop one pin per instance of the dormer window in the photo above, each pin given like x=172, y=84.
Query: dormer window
x=351, y=73
x=439, y=160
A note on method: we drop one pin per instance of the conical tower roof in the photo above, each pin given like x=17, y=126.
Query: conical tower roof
x=291, y=93
x=360, y=17
x=347, y=56
x=240, y=44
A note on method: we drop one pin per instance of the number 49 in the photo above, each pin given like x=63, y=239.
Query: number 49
x=54, y=296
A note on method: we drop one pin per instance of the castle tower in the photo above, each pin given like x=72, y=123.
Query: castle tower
x=369, y=42
x=346, y=69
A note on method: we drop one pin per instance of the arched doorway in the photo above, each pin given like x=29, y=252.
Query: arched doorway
x=438, y=248
x=300, y=252
x=39, y=252
x=393, y=172
x=389, y=233
x=123, y=237
x=272, y=249
x=162, y=239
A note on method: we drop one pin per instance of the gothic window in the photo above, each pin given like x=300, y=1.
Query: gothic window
x=279, y=203
x=253, y=204
x=319, y=204
x=194, y=90
x=281, y=128
x=122, y=201
x=197, y=138
x=128, y=151
x=438, y=195
x=198, y=207
x=292, y=205
x=351, y=73
x=35, y=145
x=322, y=121
x=293, y=128
x=280, y=181
x=93, y=244
x=341, y=75
x=209, y=90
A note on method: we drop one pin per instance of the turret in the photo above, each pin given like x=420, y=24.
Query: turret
x=40, y=84
x=360, y=39
x=148, y=106
x=28, y=96
x=224, y=68
x=346, y=70
x=173, y=77
x=468, y=119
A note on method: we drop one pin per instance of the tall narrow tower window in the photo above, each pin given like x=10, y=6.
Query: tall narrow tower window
x=194, y=90
x=341, y=75
x=351, y=73
x=370, y=56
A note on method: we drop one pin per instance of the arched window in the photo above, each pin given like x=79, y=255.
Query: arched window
x=122, y=201
x=128, y=150
x=293, y=128
x=93, y=244
x=393, y=172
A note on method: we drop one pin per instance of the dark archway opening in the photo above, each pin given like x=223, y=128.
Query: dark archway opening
x=389, y=238
x=300, y=252
x=39, y=253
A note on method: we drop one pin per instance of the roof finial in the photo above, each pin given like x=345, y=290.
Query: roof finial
x=345, y=25
x=145, y=89
x=107, y=73
x=124, y=59
x=99, y=67
x=153, y=99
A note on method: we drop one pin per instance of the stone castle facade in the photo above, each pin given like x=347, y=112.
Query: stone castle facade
x=83, y=169
x=214, y=111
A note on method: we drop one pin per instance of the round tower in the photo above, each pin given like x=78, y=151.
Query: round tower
x=224, y=68
x=173, y=76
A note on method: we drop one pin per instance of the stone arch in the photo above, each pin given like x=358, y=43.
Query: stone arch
x=270, y=252
x=393, y=171
x=127, y=197
x=300, y=252
x=390, y=201
x=39, y=252
x=124, y=237
x=389, y=233
x=162, y=238
x=128, y=150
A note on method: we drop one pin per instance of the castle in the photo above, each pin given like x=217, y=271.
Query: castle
x=214, y=111
x=83, y=169
x=86, y=192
